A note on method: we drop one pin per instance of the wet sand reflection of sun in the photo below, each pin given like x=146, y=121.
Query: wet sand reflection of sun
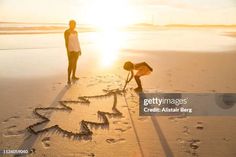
x=109, y=45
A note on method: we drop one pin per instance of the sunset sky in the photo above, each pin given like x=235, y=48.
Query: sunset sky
x=120, y=12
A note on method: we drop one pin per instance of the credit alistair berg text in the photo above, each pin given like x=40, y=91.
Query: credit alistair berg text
x=193, y=104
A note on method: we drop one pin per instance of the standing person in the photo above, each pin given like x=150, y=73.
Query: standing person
x=73, y=49
x=142, y=69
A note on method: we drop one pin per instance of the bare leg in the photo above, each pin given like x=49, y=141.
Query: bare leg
x=142, y=72
x=138, y=81
x=74, y=67
x=69, y=71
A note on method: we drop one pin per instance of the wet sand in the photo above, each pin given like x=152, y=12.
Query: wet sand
x=113, y=122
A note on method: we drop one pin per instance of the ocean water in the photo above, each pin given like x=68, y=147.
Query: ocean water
x=40, y=54
x=173, y=39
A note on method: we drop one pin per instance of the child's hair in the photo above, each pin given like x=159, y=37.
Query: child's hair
x=128, y=66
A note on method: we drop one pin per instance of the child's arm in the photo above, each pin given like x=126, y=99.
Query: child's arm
x=131, y=77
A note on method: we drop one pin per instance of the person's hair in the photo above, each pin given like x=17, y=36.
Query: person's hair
x=128, y=66
x=72, y=21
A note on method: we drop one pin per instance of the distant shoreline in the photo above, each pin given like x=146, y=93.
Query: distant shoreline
x=14, y=30
x=136, y=24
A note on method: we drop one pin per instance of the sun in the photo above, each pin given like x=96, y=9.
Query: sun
x=108, y=45
x=110, y=14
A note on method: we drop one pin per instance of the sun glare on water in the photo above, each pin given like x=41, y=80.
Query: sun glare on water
x=108, y=44
x=109, y=17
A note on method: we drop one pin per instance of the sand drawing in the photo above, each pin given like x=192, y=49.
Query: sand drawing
x=84, y=131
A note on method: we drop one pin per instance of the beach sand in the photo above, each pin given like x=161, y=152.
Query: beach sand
x=36, y=78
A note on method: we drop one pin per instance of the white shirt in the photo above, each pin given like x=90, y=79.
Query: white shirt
x=73, y=43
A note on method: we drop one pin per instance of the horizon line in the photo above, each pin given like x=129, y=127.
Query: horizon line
x=138, y=23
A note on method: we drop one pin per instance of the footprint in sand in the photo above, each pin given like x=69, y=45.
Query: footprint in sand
x=176, y=118
x=123, y=129
x=213, y=90
x=32, y=151
x=186, y=130
x=142, y=118
x=112, y=140
x=53, y=87
x=169, y=74
x=10, y=118
x=11, y=131
x=194, y=144
x=46, y=142
x=180, y=140
x=226, y=139
x=87, y=154
x=199, y=126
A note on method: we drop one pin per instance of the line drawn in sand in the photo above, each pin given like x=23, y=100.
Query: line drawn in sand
x=84, y=131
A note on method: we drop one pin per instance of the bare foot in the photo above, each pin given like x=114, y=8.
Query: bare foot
x=138, y=89
x=75, y=78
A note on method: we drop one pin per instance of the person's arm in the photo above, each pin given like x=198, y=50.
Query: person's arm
x=80, y=53
x=66, y=37
x=131, y=77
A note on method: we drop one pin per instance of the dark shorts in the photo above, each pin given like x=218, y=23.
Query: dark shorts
x=73, y=55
